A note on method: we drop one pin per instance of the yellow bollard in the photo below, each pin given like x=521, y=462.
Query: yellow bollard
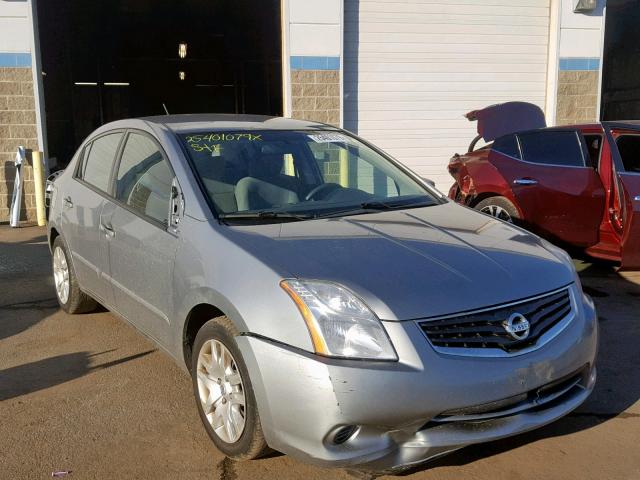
x=344, y=167
x=38, y=180
x=289, y=168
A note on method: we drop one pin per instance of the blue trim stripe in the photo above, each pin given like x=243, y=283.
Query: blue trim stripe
x=572, y=64
x=11, y=59
x=314, y=63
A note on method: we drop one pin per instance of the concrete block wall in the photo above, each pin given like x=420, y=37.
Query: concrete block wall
x=316, y=95
x=577, y=96
x=17, y=128
x=579, y=68
x=17, y=105
x=314, y=43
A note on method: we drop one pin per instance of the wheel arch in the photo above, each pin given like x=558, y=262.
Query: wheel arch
x=196, y=318
x=482, y=196
x=201, y=311
x=53, y=234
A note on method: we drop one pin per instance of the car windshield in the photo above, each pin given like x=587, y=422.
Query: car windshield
x=295, y=175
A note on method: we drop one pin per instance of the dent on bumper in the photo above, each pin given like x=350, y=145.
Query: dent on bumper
x=303, y=399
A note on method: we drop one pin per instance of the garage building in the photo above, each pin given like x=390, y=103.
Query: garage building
x=400, y=73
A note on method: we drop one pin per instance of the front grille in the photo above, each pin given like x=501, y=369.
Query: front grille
x=486, y=328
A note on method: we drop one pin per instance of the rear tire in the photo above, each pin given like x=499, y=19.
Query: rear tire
x=70, y=297
x=499, y=207
x=222, y=386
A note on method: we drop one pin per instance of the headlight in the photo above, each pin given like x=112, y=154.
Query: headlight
x=340, y=324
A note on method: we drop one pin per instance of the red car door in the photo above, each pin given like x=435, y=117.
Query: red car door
x=624, y=141
x=559, y=193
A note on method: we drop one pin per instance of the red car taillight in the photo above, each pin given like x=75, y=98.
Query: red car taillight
x=454, y=166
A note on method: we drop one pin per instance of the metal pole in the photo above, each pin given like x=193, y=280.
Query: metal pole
x=16, y=198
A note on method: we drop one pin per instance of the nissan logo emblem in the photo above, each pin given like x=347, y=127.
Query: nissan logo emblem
x=517, y=326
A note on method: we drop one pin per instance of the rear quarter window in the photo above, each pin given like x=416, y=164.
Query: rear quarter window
x=559, y=148
x=99, y=157
x=507, y=145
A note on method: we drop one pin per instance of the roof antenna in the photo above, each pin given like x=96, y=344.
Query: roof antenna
x=165, y=109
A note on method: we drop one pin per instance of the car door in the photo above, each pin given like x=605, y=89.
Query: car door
x=624, y=143
x=82, y=204
x=142, y=245
x=560, y=194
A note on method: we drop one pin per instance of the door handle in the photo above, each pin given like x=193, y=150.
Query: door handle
x=108, y=230
x=67, y=202
x=525, y=181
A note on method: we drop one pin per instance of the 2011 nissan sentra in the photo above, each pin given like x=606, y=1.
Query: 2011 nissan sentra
x=327, y=302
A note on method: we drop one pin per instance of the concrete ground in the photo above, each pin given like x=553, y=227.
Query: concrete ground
x=87, y=393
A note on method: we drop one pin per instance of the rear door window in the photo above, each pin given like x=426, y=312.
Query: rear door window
x=629, y=148
x=561, y=148
x=98, y=161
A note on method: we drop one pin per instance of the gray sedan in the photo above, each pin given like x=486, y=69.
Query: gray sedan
x=326, y=301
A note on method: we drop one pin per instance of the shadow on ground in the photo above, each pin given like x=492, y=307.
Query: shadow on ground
x=27, y=294
x=27, y=297
x=48, y=372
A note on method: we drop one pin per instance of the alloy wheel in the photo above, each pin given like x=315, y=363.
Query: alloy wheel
x=61, y=275
x=221, y=391
x=497, y=212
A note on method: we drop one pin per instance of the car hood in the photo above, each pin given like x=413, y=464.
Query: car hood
x=412, y=263
x=502, y=119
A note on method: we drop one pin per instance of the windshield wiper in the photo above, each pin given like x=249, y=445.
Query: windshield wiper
x=376, y=205
x=366, y=207
x=265, y=215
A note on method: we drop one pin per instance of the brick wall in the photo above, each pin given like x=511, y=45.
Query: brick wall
x=577, y=96
x=17, y=128
x=316, y=95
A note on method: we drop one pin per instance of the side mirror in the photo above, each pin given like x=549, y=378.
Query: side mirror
x=429, y=182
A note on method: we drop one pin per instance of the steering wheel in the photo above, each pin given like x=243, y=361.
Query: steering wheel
x=325, y=188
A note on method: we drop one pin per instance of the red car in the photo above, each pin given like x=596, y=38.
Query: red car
x=578, y=186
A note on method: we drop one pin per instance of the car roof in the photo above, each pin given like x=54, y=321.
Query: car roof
x=187, y=123
x=194, y=122
x=593, y=125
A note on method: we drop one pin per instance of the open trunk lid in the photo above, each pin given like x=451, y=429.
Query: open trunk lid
x=501, y=119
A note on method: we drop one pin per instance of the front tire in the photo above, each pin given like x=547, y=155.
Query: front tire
x=499, y=207
x=70, y=297
x=224, y=396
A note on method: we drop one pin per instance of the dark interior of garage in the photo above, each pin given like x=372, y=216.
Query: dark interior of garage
x=621, y=62
x=104, y=60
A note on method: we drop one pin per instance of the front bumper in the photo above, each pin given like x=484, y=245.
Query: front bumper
x=304, y=399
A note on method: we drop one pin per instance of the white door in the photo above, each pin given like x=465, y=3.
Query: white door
x=413, y=68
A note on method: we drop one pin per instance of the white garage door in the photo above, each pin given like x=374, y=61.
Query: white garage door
x=412, y=68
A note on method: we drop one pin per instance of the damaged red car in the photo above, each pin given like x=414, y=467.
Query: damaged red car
x=578, y=186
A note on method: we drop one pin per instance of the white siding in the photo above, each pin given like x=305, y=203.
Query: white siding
x=414, y=67
x=315, y=40
x=314, y=27
x=15, y=30
x=581, y=34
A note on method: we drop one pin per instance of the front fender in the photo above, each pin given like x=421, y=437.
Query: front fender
x=213, y=269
